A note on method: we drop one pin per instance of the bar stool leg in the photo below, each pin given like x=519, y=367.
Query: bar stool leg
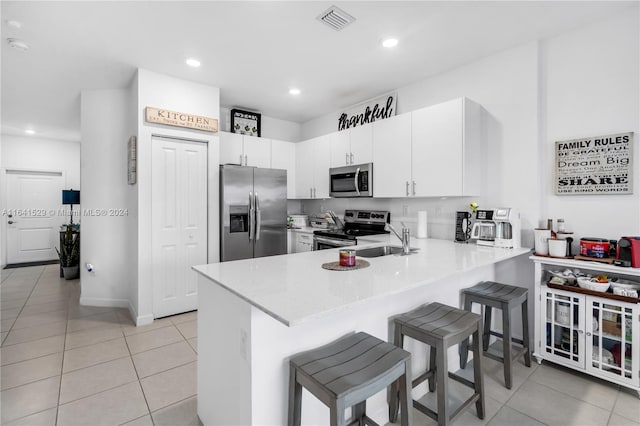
x=406, y=400
x=506, y=344
x=486, y=335
x=392, y=396
x=443, y=386
x=358, y=412
x=336, y=409
x=477, y=372
x=433, y=367
x=463, y=348
x=295, y=399
x=525, y=332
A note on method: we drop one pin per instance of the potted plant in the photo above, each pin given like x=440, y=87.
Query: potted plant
x=69, y=253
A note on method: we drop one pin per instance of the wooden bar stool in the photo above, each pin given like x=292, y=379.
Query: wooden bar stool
x=505, y=297
x=441, y=326
x=346, y=372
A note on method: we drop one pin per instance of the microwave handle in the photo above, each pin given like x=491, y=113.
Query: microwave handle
x=356, y=181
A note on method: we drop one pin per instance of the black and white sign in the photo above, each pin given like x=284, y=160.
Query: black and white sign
x=596, y=165
x=245, y=122
x=368, y=112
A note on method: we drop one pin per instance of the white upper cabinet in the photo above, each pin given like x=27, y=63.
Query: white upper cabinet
x=245, y=150
x=257, y=151
x=352, y=146
x=283, y=156
x=446, y=149
x=313, y=159
x=361, y=138
x=392, y=157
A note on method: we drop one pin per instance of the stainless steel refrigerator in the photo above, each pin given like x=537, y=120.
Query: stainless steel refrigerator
x=253, y=207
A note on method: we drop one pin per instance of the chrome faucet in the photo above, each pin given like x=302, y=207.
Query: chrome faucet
x=404, y=238
x=336, y=219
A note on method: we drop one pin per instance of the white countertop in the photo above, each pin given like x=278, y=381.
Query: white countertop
x=295, y=288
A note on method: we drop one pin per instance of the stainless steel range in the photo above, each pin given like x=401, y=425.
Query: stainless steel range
x=357, y=223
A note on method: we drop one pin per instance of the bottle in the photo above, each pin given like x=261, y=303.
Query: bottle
x=550, y=227
x=561, y=225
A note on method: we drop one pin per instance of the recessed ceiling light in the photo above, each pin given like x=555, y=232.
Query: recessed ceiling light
x=17, y=44
x=193, y=62
x=30, y=132
x=390, y=42
x=294, y=91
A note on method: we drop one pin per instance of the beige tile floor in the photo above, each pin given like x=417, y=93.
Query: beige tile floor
x=65, y=364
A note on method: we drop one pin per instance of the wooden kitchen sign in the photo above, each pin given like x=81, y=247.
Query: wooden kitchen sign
x=181, y=119
x=595, y=165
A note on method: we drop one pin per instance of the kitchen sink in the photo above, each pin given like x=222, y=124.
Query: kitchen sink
x=380, y=251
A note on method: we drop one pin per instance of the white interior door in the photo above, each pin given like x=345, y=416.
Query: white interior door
x=179, y=223
x=34, y=200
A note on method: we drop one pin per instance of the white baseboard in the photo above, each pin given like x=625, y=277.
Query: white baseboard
x=109, y=303
x=143, y=320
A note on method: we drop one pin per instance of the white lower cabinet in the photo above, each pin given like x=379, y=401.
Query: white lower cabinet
x=598, y=335
x=303, y=242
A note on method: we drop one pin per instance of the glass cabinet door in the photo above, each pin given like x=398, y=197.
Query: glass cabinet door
x=563, y=328
x=610, y=336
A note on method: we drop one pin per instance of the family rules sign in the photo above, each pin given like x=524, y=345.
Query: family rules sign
x=596, y=165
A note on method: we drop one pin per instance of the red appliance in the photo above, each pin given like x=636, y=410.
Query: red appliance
x=628, y=252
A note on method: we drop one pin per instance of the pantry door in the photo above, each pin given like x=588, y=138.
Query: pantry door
x=179, y=222
x=34, y=201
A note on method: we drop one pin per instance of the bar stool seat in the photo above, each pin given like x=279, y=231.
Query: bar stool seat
x=346, y=372
x=441, y=326
x=491, y=294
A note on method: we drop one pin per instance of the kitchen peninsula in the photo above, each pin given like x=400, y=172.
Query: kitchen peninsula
x=255, y=313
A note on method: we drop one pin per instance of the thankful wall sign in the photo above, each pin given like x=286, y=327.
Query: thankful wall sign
x=368, y=112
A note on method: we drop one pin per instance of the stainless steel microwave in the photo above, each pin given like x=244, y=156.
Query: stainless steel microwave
x=351, y=181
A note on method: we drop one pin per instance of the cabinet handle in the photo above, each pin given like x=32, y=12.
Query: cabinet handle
x=241, y=159
x=310, y=192
x=245, y=160
x=314, y=192
x=351, y=157
x=346, y=158
x=580, y=331
x=588, y=334
x=414, y=187
x=407, y=188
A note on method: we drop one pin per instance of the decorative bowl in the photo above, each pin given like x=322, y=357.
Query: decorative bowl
x=591, y=284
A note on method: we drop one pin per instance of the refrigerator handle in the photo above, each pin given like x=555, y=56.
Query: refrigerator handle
x=258, y=215
x=251, y=215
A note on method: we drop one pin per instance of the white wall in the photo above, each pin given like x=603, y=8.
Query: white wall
x=105, y=240
x=578, y=84
x=272, y=128
x=590, y=87
x=34, y=153
x=161, y=91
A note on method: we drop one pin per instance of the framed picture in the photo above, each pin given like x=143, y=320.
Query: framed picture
x=245, y=122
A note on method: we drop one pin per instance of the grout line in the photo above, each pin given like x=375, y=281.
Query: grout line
x=176, y=403
x=98, y=393
x=144, y=395
x=31, y=359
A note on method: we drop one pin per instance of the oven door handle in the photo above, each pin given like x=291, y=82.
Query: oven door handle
x=334, y=241
x=355, y=179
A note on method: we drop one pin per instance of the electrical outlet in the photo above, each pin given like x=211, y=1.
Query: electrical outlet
x=405, y=211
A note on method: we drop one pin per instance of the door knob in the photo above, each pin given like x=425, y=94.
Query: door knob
x=11, y=222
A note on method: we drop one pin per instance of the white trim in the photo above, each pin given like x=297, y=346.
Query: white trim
x=109, y=303
x=144, y=320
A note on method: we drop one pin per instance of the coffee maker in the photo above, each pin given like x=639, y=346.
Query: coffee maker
x=508, y=227
x=484, y=228
x=628, y=252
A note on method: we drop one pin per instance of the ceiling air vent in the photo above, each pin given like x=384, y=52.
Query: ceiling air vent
x=336, y=18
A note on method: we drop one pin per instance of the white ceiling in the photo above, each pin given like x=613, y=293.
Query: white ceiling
x=254, y=51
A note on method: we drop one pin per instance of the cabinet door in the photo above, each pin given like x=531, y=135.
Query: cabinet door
x=612, y=340
x=231, y=148
x=304, y=242
x=321, y=165
x=362, y=144
x=392, y=156
x=304, y=169
x=436, y=160
x=339, y=143
x=283, y=156
x=257, y=151
x=563, y=327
